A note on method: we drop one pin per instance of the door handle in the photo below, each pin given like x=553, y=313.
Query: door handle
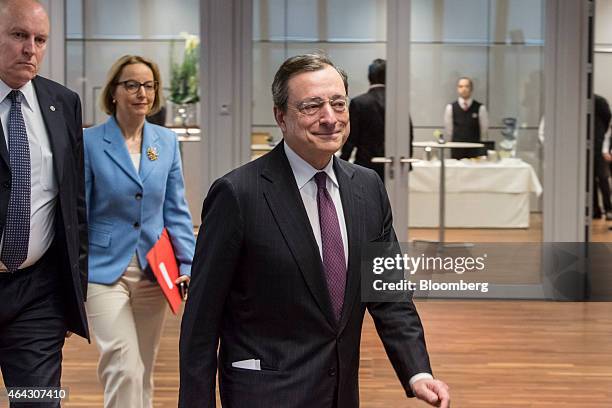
x=385, y=160
x=382, y=159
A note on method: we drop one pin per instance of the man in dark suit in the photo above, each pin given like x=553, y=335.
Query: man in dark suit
x=367, y=113
x=600, y=167
x=43, y=258
x=276, y=274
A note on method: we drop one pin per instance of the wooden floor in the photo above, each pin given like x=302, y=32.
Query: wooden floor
x=491, y=353
x=599, y=231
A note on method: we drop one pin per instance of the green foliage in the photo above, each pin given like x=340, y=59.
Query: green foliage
x=184, y=76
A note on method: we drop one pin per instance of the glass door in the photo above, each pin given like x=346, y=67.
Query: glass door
x=283, y=28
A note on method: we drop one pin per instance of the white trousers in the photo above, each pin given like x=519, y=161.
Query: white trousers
x=126, y=319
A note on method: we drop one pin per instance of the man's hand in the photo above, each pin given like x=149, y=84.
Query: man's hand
x=607, y=157
x=434, y=392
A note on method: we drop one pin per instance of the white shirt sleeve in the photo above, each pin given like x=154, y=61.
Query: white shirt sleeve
x=483, y=120
x=541, y=130
x=605, y=148
x=419, y=376
x=448, y=122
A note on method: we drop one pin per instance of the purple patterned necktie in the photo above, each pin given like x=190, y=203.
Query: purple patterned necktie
x=332, y=247
x=17, y=227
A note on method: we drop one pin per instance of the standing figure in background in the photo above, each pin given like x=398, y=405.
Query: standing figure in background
x=135, y=188
x=600, y=168
x=43, y=225
x=466, y=119
x=367, y=116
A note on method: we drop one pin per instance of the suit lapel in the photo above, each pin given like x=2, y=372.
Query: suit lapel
x=117, y=150
x=4, y=155
x=283, y=198
x=352, y=205
x=56, y=127
x=149, y=144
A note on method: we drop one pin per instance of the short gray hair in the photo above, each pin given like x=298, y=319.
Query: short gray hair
x=468, y=79
x=296, y=65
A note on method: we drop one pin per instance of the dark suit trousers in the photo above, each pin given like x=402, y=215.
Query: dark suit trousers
x=32, y=327
x=600, y=181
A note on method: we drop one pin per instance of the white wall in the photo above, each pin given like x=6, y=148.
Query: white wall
x=99, y=32
x=602, y=82
x=351, y=32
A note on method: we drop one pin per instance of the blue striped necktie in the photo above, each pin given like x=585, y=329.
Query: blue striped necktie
x=17, y=226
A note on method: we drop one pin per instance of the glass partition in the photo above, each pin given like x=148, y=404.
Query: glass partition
x=351, y=32
x=150, y=29
x=499, y=44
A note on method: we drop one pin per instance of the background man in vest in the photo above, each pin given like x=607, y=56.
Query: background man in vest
x=465, y=119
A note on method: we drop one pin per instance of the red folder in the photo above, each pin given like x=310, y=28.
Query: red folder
x=163, y=263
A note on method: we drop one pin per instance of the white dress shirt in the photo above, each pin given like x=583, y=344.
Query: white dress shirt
x=605, y=147
x=44, y=183
x=483, y=118
x=304, y=177
x=136, y=162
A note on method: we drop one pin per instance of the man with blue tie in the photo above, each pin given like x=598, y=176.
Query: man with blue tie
x=276, y=275
x=43, y=248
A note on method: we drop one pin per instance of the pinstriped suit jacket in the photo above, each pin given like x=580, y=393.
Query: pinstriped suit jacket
x=258, y=289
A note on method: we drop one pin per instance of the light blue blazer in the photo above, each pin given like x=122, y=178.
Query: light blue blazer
x=127, y=210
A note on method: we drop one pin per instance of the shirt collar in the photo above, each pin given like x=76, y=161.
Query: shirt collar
x=303, y=171
x=27, y=90
x=376, y=86
x=467, y=101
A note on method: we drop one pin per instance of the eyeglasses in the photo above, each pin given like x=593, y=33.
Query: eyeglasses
x=313, y=106
x=133, y=87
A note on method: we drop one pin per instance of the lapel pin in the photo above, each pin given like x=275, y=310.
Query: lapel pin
x=152, y=153
x=52, y=108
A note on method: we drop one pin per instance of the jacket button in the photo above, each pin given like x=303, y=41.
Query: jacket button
x=331, y=372
x=6, y=184
x=138, y=196
x=136, y=224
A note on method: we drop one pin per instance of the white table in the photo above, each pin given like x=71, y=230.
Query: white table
x=478, y=195
x=441, y=146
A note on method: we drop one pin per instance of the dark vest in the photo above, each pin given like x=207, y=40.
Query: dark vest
x=466, y=124
x=466, y=128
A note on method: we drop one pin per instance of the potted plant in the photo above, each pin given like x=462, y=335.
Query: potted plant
x=184, y=81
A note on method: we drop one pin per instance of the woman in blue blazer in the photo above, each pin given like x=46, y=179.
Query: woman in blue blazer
x=134, y=188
